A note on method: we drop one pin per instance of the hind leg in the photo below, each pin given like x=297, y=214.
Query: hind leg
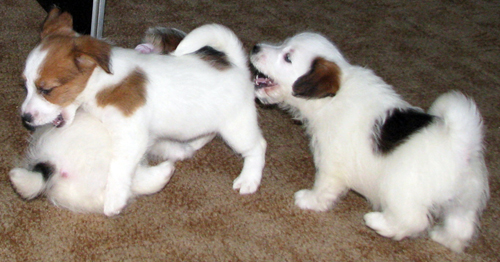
x=174, y=150
x=460, y=218
x=457, y=229
x=151, y=179
x=246, y=139
x=398, y=222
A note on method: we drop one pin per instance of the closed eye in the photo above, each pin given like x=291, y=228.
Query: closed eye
x=44, y=91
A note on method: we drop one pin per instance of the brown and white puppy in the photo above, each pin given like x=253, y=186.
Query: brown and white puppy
x=410, y=164
x=70, y=165
x=171, y=105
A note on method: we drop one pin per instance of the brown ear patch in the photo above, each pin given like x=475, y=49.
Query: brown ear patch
x=214, y=57
x=58, y=23
x=90, y=51
x=323, y=80
x=128, y=95
x=60, y=80
x=68, y=65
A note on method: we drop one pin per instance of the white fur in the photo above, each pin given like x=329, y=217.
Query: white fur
x=203, y=36
x=439, y=171
x=80, y=154
x=188, y=101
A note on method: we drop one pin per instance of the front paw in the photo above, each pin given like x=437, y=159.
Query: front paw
x=246, y=185
x=312, y=200
x=114, y=203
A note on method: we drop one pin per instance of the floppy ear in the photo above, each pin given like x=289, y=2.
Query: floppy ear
x=58, y=23
x=90, y=52
x=322, y=80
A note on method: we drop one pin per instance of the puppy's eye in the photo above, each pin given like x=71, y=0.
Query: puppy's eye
x=287, y=58
x=44, y=91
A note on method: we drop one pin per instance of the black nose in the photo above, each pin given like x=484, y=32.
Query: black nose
x=255, y=49
x=27, y=119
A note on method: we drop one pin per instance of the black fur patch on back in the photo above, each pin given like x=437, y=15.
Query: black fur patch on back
x=398, y=126
x=44, y=168
x=216, y=58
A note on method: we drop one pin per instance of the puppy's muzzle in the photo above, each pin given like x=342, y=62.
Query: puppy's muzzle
x=27, y=120
x=255, y=49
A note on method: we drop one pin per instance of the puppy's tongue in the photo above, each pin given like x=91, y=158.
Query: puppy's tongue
x=145, y=48
x=59, y=121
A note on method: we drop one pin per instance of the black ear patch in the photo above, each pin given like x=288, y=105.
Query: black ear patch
x=214, y=57
x=44, y=168
x=323, y=80
x=397, y=128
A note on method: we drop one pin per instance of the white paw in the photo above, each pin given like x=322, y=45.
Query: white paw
x=114, y=203
x=150, y=180
x=310, y=199
x=246, y=185
x=28, y=184
x=440, y=235
x=377, y=222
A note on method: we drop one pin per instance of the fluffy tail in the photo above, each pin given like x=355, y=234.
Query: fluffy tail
x=216, y=36
x=463, y=121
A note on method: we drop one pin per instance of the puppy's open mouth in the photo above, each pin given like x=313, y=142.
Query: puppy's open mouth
x=59, y=121
x=263, y=81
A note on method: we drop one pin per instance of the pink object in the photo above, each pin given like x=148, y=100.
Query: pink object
x=145, y=48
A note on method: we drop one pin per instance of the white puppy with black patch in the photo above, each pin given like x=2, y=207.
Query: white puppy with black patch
x=70, y=166
x=411, y=165
x=167, y=105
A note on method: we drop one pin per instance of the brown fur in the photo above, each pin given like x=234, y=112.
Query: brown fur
x=322, y=80
x=61, y=80
x=128, y=95
x=58, y=24
x=70, y=60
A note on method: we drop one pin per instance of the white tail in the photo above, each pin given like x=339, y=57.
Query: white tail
x=216, y=36
x=463, y=120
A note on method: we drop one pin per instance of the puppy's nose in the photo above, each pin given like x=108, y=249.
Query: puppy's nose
x=27, y=119
x=255, y=49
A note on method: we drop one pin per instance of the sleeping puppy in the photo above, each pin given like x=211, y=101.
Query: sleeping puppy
x=410, y=164
x=70, y=165
x=170, y=105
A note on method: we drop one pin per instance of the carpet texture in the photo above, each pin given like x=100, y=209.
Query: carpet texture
x=423, y=48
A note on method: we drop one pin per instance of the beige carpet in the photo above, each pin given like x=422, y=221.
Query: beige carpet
x=423, y=48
